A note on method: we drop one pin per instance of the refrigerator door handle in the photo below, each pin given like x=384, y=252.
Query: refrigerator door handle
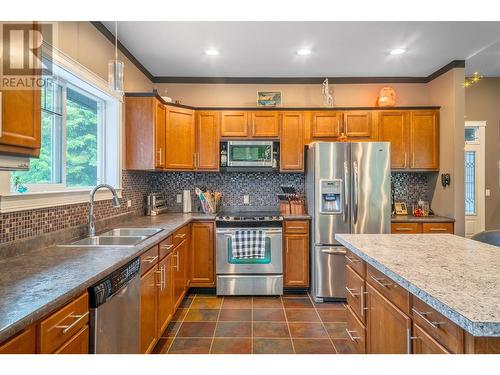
x=346, y=191
x=356, y=191
x=333, y=252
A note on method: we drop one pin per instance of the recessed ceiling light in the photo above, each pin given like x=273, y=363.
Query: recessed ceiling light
x=398, y=51
x=304, y=51
x=211, y=52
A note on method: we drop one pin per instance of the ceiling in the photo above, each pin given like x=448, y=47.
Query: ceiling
x=339, y=49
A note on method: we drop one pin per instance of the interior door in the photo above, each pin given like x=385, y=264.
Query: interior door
x=371, y=187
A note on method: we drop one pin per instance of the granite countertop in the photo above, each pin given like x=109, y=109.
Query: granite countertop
x=457, y=276
x=36, y=282
x=423, y=219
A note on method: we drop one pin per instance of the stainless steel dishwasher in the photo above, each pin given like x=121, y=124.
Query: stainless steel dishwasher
x=115, y=311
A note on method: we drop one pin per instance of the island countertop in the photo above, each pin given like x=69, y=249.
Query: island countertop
x=458, y=277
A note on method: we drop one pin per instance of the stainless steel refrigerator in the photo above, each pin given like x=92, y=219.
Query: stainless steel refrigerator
x=348, y=189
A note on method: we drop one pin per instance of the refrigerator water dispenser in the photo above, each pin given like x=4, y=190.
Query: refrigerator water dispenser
x=331, y=196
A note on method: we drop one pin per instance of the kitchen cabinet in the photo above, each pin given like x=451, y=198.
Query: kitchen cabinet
x=393, y=128
x=357, y=125
x=165, y=293
x=78, y=344
x=326, y=124
x=234, y=124
x=145, y=133
x=265, y=124
x=23, y=343
x=388, y=328
x=424, y=140
x=423, y=227
x=207, y=141
x=296, y=254
x=179, y=274
x=423, y=343
x=292, y=142
x=356, y=332
x=202, y=252
x=149, y=310
x=180, y=139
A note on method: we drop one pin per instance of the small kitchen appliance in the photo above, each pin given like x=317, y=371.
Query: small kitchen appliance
x=155, y=204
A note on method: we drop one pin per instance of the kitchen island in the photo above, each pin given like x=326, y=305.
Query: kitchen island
x=422, y=293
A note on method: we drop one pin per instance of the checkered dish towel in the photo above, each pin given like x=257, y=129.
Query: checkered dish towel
x=249, y=244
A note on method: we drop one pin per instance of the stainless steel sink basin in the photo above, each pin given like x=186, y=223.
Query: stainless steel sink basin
x=121, y=232
x=110, y=241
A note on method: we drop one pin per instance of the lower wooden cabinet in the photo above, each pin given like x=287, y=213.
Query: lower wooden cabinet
x=416, y=228
x=23, y=343
x=78, y=344
x=423, y=343
x=179, y=272
x=296, y=254
x=165, y=293
x=356, y=332
x=202, y=253
x=149, y=308
x=388, y=328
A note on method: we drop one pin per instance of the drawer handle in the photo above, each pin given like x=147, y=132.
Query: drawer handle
x=292, y=227
x=379, y=282
x=150, y=259
x=350, y=291
x=423, y=315
x=353, y=338
x=437, y=229
x=180, y=235
x=167, y=247
x=351, y=259
x=404, y=229
x=78, y=319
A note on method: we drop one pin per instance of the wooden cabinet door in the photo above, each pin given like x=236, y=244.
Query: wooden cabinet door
x=393, y=128
x=423, y=343
x=23, y=343
x=234, y=124
x=292, y=142
x=165, y=294
x=160, y=137
x=149, y=309
x=388, y=328
x=207, y=141
x=78, y=344
x=296, y=260
x=179, y=274
x=203, y=248
x=326, y=124
x=424, y=140
x=180, y=142
x=357, y=124
x=265, y=124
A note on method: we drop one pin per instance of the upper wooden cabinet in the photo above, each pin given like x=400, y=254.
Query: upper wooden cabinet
x=326, y=124
x=180, y=139
x=424, y=140
x=207, y=141
x=234, y=124
x=265, y=124
x=292, y=142
x=357, y=124
x=414, y=137
x=160, y=135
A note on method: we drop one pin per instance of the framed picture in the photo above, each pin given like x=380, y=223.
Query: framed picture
x=401, y=208
x=269, y=98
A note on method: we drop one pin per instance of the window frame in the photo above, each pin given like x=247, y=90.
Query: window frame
x=111, y=158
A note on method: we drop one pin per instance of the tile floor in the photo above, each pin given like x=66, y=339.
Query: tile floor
x=292, y=324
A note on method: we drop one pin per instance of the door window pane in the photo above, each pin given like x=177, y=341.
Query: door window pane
x=470, y=182
x=82, y=123
x=470, y=134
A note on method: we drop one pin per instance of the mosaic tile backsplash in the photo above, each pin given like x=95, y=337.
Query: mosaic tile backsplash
x=24, y=224
x=262, y=188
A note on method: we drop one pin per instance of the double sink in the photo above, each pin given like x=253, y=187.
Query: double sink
x=118, y=237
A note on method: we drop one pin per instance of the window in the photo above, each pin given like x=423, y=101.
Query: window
x=471, y=134
x=470, y=182
x=77, y=118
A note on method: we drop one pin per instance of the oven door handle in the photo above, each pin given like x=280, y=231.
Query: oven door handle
x=230, y=233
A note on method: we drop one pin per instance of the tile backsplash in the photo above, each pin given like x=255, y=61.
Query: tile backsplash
x=410, y=187
x=262, y=188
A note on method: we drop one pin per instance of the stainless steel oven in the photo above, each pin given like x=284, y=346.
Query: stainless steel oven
x=250, y=154
x=254, y=276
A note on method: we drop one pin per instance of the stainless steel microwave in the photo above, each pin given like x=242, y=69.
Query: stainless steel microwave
x=262, y=154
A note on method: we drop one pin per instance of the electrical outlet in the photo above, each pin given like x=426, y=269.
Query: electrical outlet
x=488, y=192
x=179, y=198
x=246, y=199
x=129, y=203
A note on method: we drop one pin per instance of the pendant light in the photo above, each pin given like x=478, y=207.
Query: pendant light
x=115, y=68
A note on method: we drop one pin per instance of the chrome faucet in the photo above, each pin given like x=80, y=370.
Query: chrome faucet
x=116, y=203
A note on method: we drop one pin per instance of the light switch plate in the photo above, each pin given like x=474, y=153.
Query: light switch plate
x=246, y=199
x=179, y=198
x=129, y=203
x=487, y=192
